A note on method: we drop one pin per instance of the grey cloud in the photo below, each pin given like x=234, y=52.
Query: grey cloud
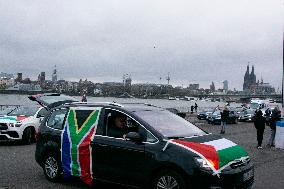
x=197, y=41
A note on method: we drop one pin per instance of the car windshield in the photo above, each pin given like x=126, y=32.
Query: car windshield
x=254, y=105
x=169, y=124
x=6, y=111
x=24, y=110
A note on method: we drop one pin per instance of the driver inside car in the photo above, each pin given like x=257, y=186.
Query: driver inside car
x=117, y=126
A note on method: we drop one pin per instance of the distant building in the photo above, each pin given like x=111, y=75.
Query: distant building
x=193, y=86
x=6, y=76
x=5, y=82
x=249, y=79
x=19, y=77
x=225, y=86
x=212, y=87
x=41, y=77
x=251, y=86
x=127, y=83
x=54, y=75
x=25, y=87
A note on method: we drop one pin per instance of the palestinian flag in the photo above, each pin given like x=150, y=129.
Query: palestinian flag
x=219, y=152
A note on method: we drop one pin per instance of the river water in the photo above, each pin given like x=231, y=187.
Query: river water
x=182, y=105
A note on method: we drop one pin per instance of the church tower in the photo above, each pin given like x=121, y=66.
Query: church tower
x=246, y=79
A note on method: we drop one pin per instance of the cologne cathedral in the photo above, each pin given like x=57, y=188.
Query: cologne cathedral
x=249, y=79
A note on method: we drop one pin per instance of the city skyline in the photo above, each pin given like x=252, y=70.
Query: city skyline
x=197, y=42
x=164, y=81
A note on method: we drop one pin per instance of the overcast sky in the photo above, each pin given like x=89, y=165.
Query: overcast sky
x=196, y=41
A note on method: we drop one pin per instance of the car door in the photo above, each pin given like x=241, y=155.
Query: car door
x=54, y=126
x=116, y=159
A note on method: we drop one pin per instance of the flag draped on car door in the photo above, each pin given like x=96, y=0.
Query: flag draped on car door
x=76, y=137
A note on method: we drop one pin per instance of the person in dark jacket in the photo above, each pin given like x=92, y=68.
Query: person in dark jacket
x=259, y=124
x=224, y=119
x=191, y=109
x=117, y=126
x=195, y=107
x=267, y=116
x=275, y=116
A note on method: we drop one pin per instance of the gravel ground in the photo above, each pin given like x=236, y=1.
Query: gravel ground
x=18, y=168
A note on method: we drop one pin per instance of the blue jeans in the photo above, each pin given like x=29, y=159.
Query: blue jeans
x=272, y=137
x=223, y=126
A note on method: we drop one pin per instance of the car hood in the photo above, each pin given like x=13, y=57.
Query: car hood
x=12, y=119
x=220, y=152
x=51, y=100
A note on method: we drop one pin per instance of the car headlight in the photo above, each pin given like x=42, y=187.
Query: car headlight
x=11, y=124
x=205, y=165
x=18, y=124
x=14, y=124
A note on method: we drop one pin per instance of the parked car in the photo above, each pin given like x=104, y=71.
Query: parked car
x=21, y=123
x=215, y=118
x=247, y=115
x=204, y=114
x=162, y=150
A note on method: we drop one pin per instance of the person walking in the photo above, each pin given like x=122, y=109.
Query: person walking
x=191, y=109
x=195, y=107
x=275, y=116
x=84, y=98
x=259, y=124
x=267, y=116
x=224, y=119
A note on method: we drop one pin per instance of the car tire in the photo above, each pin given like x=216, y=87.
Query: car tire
x=169, y=179
x=52, y=168
x=27, y=136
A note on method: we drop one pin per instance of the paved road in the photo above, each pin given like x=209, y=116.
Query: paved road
x=18, y=168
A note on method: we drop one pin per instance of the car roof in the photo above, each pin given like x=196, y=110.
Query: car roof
x=132, y=107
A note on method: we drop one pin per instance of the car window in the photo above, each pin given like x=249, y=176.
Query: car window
x=57, y=119
x=118, y=124
x=42, y=112
x=130, y=124
x=169, y=124
x=150, y=138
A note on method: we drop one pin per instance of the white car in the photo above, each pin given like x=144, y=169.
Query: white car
x=22, y=123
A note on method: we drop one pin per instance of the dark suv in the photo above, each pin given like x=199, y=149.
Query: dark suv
x=161, y=149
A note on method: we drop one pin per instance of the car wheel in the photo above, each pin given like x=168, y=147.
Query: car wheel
x=168, y=179
x=52, y=168
x=27, y=136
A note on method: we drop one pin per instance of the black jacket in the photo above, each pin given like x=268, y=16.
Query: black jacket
x=259, y=122
x=224, y=116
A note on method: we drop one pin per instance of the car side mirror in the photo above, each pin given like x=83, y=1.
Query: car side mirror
x=134, y=136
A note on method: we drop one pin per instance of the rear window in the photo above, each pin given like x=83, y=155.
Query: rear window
x=169, y=124
x=24, y=110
